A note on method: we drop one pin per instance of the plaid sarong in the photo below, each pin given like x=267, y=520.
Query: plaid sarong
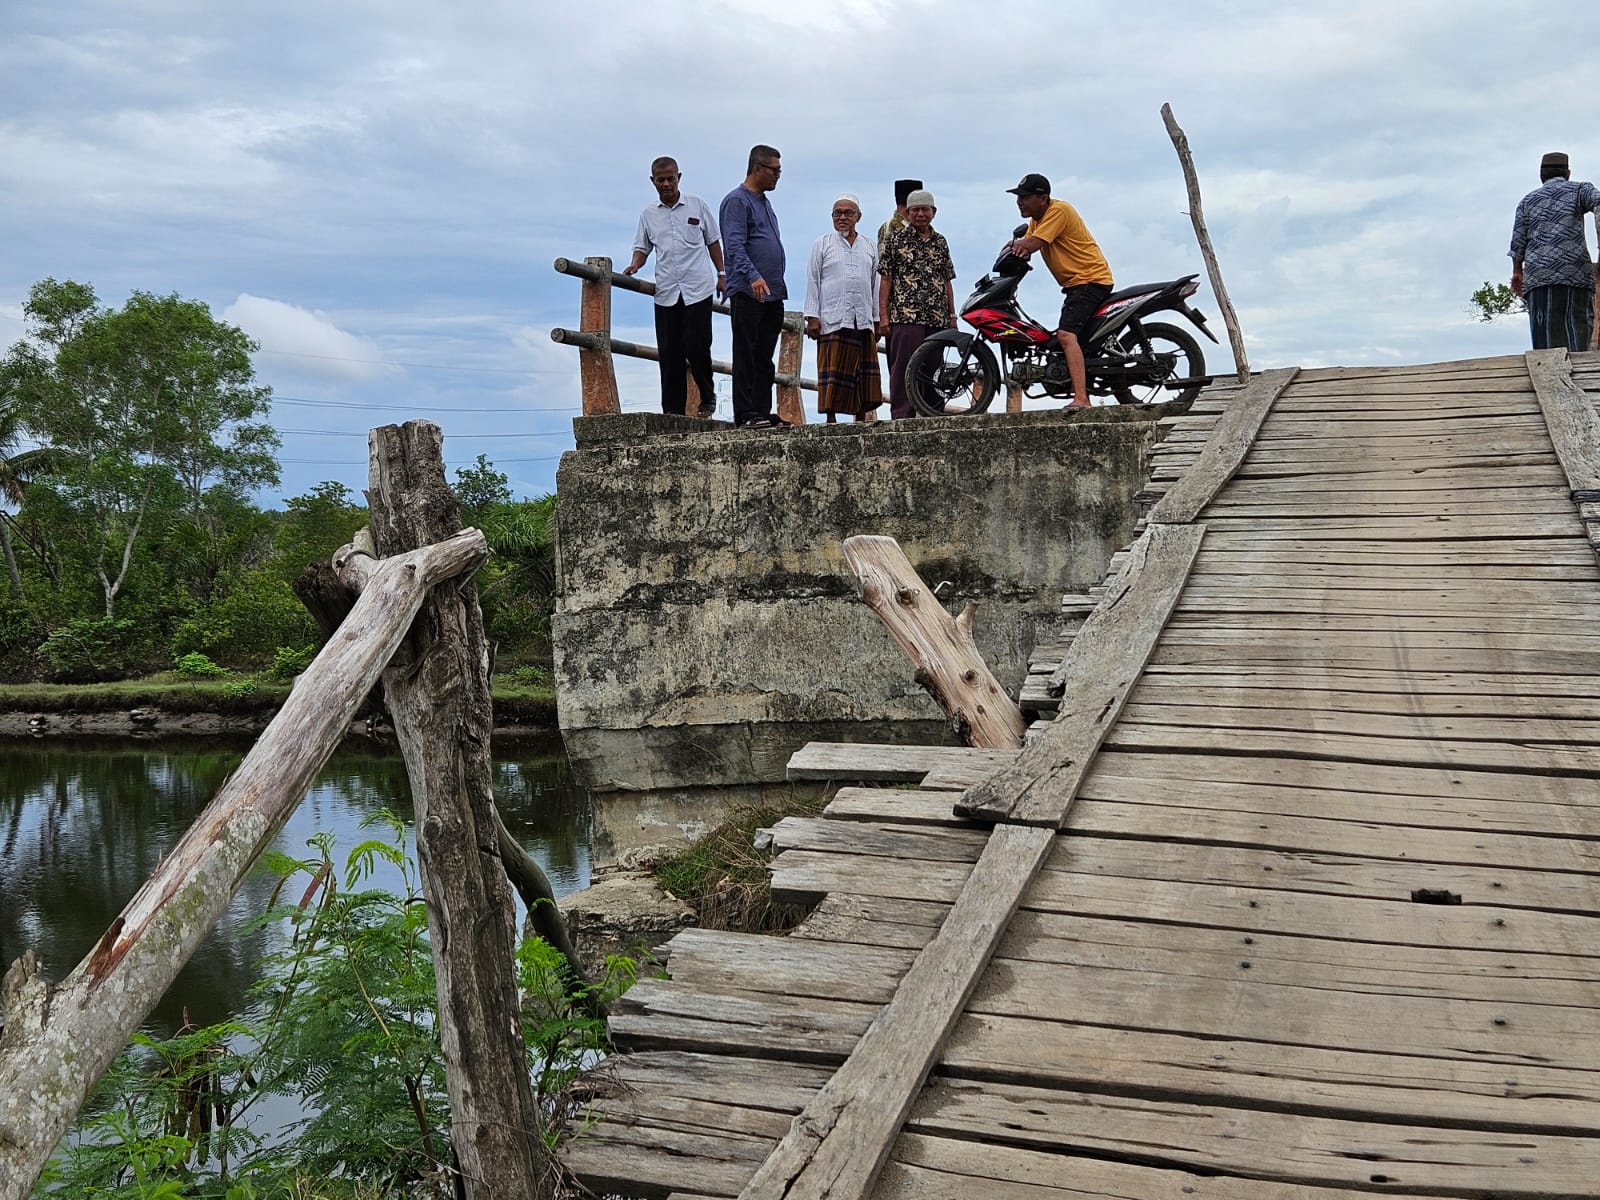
x=847, y=373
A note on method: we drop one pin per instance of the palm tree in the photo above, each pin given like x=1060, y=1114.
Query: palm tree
x=16, y=468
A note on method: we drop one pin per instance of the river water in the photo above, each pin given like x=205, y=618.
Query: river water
x=84, y=822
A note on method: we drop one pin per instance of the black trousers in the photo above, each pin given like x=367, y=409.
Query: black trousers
x=683, y=336
x=756, y=327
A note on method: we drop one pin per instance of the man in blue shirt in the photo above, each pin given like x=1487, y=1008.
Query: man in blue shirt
x=752, y=252
x=1550, y=257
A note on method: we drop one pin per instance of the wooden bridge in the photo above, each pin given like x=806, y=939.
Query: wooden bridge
x=1295, y=897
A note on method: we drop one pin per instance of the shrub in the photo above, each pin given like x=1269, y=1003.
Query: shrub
x=87, y=650
x=239, y=689
x=289, y=661
x=198, y=666
x=531, y=677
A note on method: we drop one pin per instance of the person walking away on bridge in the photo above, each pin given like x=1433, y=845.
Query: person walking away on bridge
x=682, y=231
x=1073, y=256
x=753, y=250
x=915, y=296
x=1550, y=267
x=898, y=220
x=841, y=282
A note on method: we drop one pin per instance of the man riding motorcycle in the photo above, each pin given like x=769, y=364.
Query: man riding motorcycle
x=1074, y=258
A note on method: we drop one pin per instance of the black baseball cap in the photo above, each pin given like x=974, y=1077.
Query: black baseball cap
x=1031, y=185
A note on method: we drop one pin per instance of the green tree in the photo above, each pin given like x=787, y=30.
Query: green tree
x=146, y=407
x=480, y=488
x=314, y=525
x=1495, y=300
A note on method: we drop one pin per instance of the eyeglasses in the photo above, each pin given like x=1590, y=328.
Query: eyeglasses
x=773, y=167
x=847, y=212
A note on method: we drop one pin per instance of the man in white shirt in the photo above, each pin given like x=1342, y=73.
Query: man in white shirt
x=841, y=289
x=682, y=230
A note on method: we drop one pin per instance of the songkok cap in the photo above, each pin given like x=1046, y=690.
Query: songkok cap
x=904, y=188
x=1554, y=159
x=1031, y=185
x=847, y=196
x=920, y=196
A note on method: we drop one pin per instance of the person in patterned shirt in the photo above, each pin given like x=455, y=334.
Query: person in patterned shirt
x=1550, y=267
x=915, y=296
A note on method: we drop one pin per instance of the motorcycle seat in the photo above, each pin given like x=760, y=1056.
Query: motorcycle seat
x=1141, y=289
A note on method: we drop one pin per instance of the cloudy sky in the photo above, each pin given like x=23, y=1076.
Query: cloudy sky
x=375, y=191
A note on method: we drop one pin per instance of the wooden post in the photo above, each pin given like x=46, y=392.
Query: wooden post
x=1013, y=398
x=1180, y=142
x=692, y=397
x=59, y=1039
x=440, y=704
x=941, y=646
x=791, y=343
x=595, y=366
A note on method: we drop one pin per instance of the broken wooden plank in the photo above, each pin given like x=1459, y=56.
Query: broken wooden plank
x=875, y=762
x=948, y=664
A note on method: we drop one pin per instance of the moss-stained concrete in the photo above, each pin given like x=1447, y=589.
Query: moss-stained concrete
x=707, y=624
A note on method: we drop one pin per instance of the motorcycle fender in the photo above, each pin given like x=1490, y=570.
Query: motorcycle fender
x=1198, y=320
x=954, y=337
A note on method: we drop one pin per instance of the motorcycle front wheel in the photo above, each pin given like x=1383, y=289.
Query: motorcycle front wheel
x=940, y=386
x=1173, y=355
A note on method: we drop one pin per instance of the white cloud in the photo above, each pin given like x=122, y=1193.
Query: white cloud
x=311, y=341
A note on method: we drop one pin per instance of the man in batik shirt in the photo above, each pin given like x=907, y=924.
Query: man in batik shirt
x=915, y=296
x=1550, y=267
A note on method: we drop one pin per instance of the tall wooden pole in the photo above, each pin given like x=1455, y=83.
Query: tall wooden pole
x=1180, y=142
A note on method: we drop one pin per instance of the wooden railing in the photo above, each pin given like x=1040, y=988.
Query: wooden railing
x=596, y=345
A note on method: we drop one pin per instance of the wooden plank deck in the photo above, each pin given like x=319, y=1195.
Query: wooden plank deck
x=1320, y=916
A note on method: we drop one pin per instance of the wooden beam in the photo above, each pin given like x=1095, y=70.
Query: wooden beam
x=837, y=1146
x=60, y=1039
x=1224, y=450
x=1100, y=668
x=942, y=647
x=1569, y=415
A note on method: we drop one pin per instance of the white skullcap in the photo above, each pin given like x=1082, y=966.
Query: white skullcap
x=920, y=196
x=849, y=197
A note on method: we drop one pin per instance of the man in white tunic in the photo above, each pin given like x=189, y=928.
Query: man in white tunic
x=682, y=231
x=841, y=287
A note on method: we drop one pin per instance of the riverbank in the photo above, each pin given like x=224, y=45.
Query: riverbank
x=171, y=703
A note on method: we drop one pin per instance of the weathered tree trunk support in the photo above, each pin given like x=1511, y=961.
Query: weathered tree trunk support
x=1180, y=142
x=60, y=1039
x=442, y=714
x=947, y=659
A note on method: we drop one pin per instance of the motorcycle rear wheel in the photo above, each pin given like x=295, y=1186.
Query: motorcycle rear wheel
x=1182, y=360
x=940, y=386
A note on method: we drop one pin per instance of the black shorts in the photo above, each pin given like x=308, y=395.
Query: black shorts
x=1078, y=306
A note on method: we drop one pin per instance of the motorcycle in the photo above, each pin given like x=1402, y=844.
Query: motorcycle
x=1137, y=361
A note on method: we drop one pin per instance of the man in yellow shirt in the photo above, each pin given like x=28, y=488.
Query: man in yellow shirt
x=1057, y=231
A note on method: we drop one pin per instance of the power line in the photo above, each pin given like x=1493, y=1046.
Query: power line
x=350, y=404
x=360, y=433
x=344, y=462
x=378, y=362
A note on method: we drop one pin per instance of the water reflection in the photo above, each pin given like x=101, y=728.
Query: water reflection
x=84, y=822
